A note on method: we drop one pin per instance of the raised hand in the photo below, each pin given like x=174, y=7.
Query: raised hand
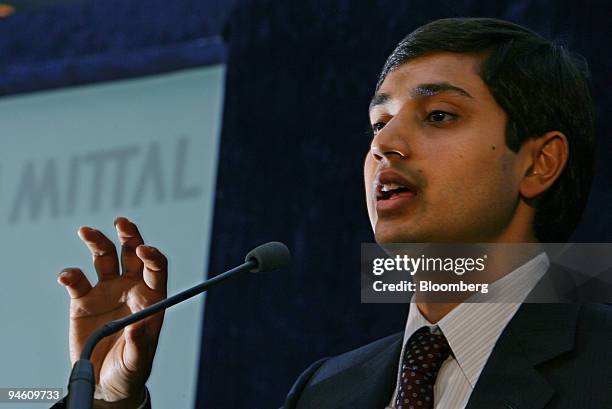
x=126, y=284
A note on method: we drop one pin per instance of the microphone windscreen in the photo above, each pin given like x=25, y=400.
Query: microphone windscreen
x=269, y=256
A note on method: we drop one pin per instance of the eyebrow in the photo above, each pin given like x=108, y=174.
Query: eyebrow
x=379, y=99
x=422, y=90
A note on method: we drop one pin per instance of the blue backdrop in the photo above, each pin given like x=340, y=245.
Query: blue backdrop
x=97, y=41
x=300, y=75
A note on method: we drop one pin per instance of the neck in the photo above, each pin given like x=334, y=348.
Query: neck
x=434, y=312
x=500, y=263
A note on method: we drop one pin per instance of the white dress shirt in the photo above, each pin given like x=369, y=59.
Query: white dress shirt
x=472, y=329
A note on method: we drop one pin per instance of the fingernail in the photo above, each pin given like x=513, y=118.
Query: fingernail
x=62, y=277
x=122, y=217
x=83, y=230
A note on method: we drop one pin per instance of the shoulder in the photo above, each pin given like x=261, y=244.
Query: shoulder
x=586, y=341
x=327, y=368
x=334, y=365
x=590, y=359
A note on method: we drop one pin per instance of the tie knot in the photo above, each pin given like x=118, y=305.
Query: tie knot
x=423, y=356
x=425, y=352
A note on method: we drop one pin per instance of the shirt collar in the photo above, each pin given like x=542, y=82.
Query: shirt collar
x=472, y=329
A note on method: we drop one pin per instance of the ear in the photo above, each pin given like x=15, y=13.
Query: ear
x=548, y=153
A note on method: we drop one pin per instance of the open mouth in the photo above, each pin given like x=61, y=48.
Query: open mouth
x=394, y=192
x=389, y=191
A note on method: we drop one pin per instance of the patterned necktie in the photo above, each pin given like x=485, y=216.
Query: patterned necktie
x=423, y=356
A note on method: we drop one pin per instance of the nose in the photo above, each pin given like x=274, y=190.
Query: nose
x=382, y=153
x=391, y=141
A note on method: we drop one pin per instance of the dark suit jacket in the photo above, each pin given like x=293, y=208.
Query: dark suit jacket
x=550, y=356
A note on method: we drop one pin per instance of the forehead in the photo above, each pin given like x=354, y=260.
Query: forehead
x=454, y=71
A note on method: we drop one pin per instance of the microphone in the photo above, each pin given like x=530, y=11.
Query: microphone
x=266, y=257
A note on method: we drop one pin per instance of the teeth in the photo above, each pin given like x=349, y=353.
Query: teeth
x=387, y=187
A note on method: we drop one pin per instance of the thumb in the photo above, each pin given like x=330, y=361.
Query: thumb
x=136, y=354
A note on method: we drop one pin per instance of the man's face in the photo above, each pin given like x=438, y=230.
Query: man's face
x=457, y=181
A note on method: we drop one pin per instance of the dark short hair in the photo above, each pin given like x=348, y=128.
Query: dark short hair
x=540, y=85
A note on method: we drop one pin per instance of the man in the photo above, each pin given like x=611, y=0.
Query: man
x=482, y=132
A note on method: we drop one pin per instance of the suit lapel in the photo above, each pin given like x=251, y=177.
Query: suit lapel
x=536, y=334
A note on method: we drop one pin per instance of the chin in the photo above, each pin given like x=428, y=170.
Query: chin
x=391, y=234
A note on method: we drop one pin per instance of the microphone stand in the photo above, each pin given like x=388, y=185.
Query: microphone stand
x=82, y=380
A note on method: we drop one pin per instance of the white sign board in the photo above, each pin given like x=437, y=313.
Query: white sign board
x=145, y=149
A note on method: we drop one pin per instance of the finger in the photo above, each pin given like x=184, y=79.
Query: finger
x=130, y=238
x=155, y=271
x=103, y=251
x=75, y=282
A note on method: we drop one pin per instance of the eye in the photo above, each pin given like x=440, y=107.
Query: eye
x=440, y=116
x=377, y=127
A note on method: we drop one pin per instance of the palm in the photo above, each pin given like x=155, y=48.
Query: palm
x=121, y=364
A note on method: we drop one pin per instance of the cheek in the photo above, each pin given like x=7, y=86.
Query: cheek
x=369, y=169
x=495, y=196
x=472, y=179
